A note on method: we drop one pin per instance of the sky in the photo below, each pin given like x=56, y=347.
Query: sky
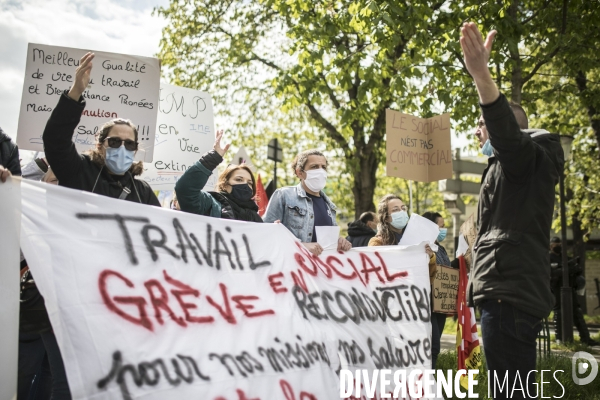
x=123, y=26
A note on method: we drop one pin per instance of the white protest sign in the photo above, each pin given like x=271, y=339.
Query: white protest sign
x=121, y=86
x=153, y=303
x=185, y=131
x=420, y=229
x=10, y=220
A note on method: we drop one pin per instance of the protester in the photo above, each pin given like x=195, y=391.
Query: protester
x=174, y=205
x=9, y=154
x=303, y=207
x=576, y=279
x=362, y=230
x=510, y=278
x=393, y=218
x=438, y=320
x=108, y=169
x=236, y=188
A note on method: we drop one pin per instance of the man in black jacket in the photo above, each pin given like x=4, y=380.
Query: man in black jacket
x=9, y=154
x=510, y=279
x=362, y=230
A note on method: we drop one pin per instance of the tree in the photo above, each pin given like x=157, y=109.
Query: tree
x=342, y=62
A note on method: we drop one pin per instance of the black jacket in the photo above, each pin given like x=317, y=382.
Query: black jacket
x=9, y=154
x=516, y=203
x=77, y=171
x=359, y=234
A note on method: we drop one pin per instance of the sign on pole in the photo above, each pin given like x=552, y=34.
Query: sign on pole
x=418, y=149
x=121, y=86
x=185, y=131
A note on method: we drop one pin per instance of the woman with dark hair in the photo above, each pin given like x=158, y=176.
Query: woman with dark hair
x=393, y=218
x=235, y=190
x=108, y=169
x=438, y=320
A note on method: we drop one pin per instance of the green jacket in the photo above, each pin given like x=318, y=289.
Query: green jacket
x=189, y=191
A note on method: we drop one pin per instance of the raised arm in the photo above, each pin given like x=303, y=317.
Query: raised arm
x=189, y=187
x=515, y=151
x=58, y=134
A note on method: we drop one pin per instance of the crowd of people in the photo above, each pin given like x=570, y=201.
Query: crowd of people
x=510, y=276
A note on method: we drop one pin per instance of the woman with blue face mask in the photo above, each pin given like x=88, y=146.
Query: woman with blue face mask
x=438, y=320
x=107, y=169
x=234, y=193
x=393, y=218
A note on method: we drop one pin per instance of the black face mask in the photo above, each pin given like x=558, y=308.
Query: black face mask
x=557, y=249
x=241, y=192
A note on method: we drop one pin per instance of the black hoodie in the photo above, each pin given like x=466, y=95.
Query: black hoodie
x=9, y=154
x=359, y=234
x=516, y=204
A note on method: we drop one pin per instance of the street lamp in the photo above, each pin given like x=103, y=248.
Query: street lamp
x=566, y=291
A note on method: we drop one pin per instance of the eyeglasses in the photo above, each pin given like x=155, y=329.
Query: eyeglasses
x=116, y=142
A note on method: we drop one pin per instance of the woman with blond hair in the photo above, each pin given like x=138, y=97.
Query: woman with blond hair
x=235, y=190
x=393, y=218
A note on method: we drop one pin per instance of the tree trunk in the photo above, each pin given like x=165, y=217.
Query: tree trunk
x=579, y=251
x=581, y=80
x=365, y=180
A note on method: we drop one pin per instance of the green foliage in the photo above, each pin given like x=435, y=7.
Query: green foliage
x=320, y=73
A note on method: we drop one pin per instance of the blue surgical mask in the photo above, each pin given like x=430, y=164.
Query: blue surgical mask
x=487, y=149
x=119, y=160
x=442, y=234
x=399, y=219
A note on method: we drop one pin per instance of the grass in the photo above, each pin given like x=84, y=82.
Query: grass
x=552, y=388
x=574, y=346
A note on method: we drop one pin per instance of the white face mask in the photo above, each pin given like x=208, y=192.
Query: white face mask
x=316, y=179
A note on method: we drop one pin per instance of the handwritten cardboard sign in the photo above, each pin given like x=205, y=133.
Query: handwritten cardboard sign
x=469, y=230
x=418, y=149
x=174, y=305
x=121, y=86
x=445, y=290
x=185, y=131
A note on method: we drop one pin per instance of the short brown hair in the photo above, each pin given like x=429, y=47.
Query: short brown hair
x=105, y=130
x=301, y=159
x=520, y=115
x=225, y=175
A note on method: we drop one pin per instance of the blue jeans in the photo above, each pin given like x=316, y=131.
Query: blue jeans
x=509, y=343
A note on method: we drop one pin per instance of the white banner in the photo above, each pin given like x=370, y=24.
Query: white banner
x=185, y=131
x=121, y=86
x=10, y=222
x=158, y=304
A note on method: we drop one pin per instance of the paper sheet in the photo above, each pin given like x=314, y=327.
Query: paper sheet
x=327, y=236
x=420, y=229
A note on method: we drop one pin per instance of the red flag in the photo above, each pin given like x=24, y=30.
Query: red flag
x=467, y=342
x=261, y=197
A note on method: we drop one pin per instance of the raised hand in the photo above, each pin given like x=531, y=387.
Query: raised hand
x=82, y=76
x=4, y=174
x=217, y=146
x=477, y=55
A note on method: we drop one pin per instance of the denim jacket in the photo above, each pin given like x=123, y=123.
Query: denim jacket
x=294, y=209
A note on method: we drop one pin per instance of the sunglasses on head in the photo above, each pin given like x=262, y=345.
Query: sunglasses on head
x=116, y=142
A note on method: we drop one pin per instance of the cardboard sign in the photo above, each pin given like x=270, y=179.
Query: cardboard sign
x=469, y=230
x=121, y=86
x=444, y=290
x=185, y=131
x=160, y=304
x=418, y=149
